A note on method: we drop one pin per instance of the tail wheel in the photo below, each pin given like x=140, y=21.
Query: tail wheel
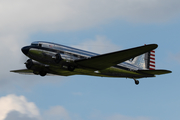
x=42, y=73
x=136, y=81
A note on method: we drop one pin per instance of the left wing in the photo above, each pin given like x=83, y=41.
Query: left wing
x=30, y=72
x=23, y=71
x=110, y=59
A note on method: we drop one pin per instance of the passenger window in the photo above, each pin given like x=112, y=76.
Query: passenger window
x=40, y=45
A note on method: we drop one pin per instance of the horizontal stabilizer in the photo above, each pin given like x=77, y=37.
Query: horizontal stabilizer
x=155, y=72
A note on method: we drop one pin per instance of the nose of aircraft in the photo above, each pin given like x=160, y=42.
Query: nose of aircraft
x=25, y=50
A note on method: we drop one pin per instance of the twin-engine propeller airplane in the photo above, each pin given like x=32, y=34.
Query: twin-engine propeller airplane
x=49, y=58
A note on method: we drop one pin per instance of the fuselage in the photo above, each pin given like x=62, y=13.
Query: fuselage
x=46, y=53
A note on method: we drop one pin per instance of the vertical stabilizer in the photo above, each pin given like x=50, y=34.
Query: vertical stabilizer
x=145, y=61
x=150, y=60
x=139, y=61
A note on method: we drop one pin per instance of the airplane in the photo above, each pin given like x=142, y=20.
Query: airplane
x=46, y=58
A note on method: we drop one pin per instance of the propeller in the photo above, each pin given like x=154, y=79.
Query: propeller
x=23, y=59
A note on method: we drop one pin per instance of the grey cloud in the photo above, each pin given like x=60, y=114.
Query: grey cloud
x=100, y=44
x=18, y=108
x=150, y=11
x=56, y=113
x=12, y=102
x=15, y=115
x=32, y=16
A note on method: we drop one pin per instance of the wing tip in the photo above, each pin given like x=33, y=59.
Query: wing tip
x=154, y=46
x=168, y=71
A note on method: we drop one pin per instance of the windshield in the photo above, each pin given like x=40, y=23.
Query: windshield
x=35, y=43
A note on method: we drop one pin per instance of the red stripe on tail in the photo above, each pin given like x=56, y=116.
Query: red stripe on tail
x=152, y=58
x=151, y=68
x=153, y=51
x=152, y=65
x=152, y=55
x=152, y=62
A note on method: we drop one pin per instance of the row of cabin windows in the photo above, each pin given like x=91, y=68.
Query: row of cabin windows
x=35, y=44
x=40, y=45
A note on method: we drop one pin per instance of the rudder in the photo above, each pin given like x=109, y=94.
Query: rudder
x=150, y=60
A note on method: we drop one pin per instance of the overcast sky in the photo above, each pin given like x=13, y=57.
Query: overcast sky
x=99, y=26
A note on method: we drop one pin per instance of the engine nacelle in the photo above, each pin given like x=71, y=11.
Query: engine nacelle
x=57, y=58
x=38, y=68
x=29, y=63
x=32, y=64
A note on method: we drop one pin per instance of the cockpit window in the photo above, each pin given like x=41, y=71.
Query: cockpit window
x=35, y=43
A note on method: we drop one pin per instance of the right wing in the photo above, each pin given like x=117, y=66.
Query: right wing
x=110, y=59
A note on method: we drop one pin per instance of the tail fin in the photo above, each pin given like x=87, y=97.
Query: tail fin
x=150, y=60
x=145, y=61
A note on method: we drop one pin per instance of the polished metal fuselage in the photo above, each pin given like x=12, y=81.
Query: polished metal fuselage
x=43, y=52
